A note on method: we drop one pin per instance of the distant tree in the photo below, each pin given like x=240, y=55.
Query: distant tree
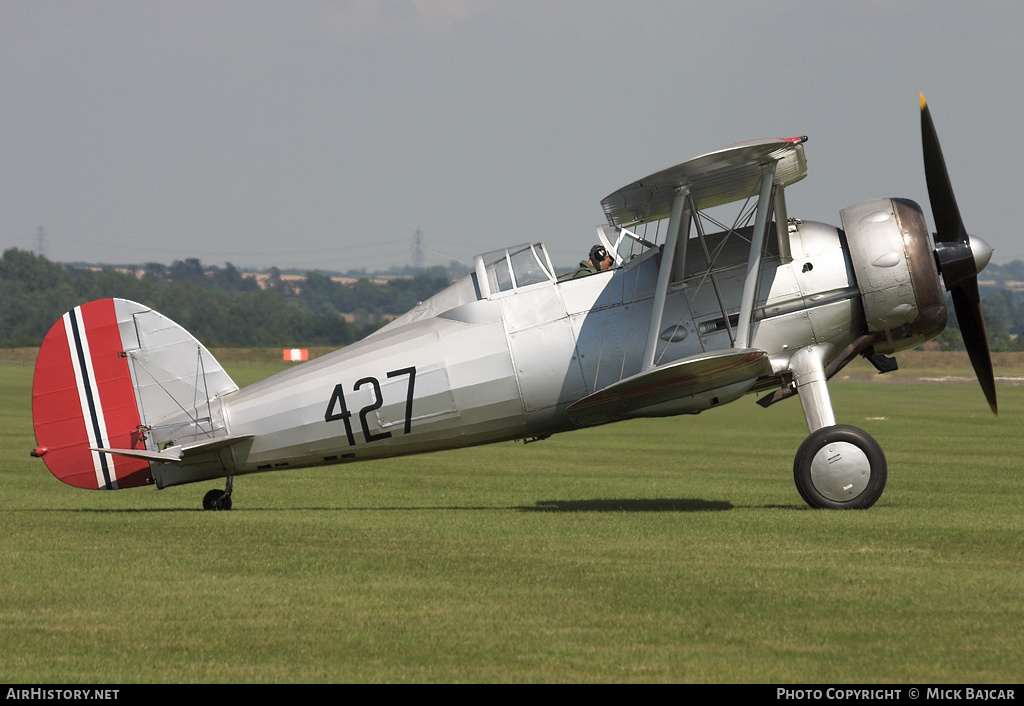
x=999, y=311
x=156, y=271
x=230, y=279
x=34, y=293
x=189, y=269
x=220, y=306
x=1013, y=271
x=950, y=340
x=318, y=289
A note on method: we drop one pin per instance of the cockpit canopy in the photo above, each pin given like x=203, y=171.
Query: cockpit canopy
x=512, y=269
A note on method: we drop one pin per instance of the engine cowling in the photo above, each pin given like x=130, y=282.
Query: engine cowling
x=893, y=262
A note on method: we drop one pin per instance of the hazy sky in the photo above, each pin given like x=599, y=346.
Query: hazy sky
x=317, y=134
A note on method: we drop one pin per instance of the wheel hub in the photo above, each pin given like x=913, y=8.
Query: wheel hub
x=840, y=471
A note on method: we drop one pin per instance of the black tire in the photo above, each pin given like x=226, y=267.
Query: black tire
x=840, y=467
x=217, y=500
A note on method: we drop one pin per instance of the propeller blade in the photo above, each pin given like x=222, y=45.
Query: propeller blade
x=957, y=260
x=967, y=303
x=949, y=227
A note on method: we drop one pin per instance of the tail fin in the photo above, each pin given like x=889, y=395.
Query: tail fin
x=113, y=375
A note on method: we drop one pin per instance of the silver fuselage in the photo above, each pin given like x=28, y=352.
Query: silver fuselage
x=463, y=369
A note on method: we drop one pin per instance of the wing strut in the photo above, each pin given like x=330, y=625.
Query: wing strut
x=677, y=218
x=782, y=224
x=744, y=332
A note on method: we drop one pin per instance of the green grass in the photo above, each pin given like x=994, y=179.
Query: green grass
x=673, y=550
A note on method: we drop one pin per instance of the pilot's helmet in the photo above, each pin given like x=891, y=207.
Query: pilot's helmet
x=598, y=253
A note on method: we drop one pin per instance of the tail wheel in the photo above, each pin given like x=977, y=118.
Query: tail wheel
x=217, y=500
x=840, y=467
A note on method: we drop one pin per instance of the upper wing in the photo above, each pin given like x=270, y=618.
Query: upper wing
x=687, y=385
x=726, y=175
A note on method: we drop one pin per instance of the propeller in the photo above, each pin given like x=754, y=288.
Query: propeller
x=960, y=257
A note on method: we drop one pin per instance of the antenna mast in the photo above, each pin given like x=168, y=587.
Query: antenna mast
x=417, y=250
x=41, y=241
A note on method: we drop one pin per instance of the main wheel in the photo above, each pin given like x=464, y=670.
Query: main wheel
x=217, y=500
x=840, y=467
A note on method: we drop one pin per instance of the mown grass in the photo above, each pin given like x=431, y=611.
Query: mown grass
x=672, y=550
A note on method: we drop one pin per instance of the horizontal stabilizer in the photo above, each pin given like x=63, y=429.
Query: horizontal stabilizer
x=684, y=386
x=178, y=454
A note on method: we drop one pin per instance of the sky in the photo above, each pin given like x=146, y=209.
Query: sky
x=311, y=134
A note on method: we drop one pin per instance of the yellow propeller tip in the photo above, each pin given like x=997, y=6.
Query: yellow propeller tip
x=923, y=103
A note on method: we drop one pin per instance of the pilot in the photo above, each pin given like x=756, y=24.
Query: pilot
x=600, y=260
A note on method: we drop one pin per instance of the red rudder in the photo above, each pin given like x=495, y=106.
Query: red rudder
x=83, y=398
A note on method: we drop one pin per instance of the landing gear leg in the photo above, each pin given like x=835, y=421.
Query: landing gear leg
x=837, y=466
x=219, y=499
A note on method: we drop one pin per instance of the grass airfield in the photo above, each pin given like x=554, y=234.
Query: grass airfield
x=670, y=550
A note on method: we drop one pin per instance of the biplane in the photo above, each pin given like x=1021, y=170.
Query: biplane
x=697, y=311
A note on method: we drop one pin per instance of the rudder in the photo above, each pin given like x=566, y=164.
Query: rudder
x=83, y=398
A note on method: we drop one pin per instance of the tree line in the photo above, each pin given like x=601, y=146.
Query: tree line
x=220, y=306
